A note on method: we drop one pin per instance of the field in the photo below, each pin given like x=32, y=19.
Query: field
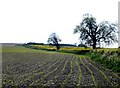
x=23, y=67
x=109, y=57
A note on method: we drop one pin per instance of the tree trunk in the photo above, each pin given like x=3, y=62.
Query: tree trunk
x=94, y=43
x=57, y=46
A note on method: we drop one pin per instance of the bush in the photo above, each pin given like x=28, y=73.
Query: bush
x=75, y=51
x=108, y=59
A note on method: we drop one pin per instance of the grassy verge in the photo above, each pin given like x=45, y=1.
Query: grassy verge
x=110, y=59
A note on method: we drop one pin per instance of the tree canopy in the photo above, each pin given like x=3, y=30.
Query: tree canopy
x=93, y=34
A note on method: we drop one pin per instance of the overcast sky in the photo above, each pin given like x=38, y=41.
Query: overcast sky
x=23, y=21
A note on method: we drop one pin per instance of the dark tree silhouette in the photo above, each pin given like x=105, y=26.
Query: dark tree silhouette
x=82, y=45
x=53, y=38
x=93, y=34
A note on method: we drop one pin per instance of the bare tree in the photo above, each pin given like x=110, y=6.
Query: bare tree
x=53, y=38
x=93, y=34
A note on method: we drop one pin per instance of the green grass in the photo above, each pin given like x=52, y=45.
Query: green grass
x=0, y=47
x=16, y=49
x=109, y=59
x=21, y=49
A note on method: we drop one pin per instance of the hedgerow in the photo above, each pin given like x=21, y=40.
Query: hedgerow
x=109, y=59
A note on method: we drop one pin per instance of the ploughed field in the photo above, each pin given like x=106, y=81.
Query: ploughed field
x=44, y=69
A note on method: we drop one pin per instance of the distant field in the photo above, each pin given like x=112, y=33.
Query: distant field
x=72, y=48
x=114, y=52
x=27, y=67
x=62, y=48
x=10, y=48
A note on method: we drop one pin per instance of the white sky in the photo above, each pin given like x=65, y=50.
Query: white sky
x=23, y=21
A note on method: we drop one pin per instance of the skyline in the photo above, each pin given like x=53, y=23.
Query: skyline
x=33, y=21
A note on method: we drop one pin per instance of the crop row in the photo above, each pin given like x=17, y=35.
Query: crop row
x=56, y=70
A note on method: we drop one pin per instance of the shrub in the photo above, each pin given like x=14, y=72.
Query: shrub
x=108, y=59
